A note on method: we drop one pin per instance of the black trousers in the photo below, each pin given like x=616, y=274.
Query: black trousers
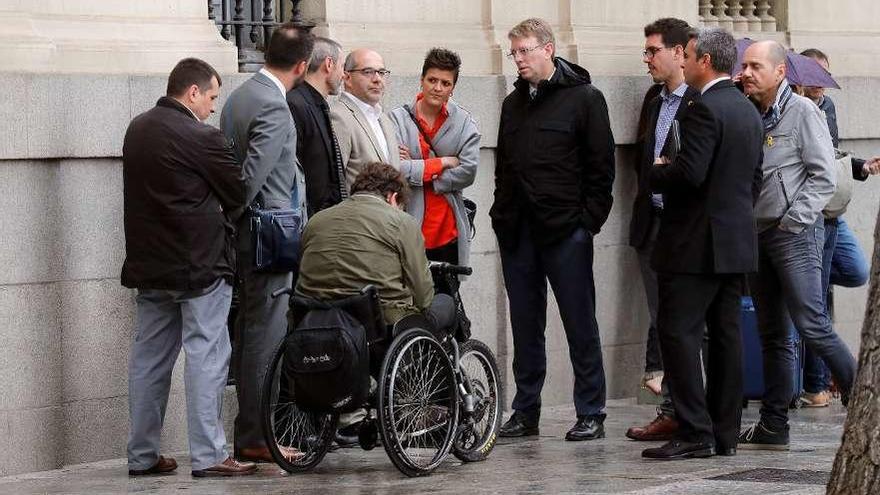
x=568, y=267
x=709, y=414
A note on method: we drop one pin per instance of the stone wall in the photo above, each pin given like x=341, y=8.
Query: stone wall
x=66, y=322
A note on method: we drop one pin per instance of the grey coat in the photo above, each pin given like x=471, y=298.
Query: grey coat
x=459, y=137
x=799, y=173
x=258, y=123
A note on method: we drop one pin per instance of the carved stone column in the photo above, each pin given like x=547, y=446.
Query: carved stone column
x=753, y=22
x=768, y=22
x=720, y=11
x=707, y=19
x=740, y=23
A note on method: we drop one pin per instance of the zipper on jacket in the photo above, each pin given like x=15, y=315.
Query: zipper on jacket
x=784, y=191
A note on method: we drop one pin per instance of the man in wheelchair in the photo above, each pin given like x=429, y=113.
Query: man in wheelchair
x=369, y=240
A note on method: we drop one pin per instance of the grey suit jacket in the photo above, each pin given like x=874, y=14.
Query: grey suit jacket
x=258, y=123
x=356, y=139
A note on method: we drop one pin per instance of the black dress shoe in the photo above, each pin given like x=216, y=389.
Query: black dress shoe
x=519, y=425
x=725, y=451
x=676, y=449
x=586, y=428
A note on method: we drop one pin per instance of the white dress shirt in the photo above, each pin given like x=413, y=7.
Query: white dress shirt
x=713, y=82
x=372, y=113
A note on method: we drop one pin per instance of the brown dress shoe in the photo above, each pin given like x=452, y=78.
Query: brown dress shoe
x=663, y=427
x=163, y=465
x=262, y=454
x=229, y=467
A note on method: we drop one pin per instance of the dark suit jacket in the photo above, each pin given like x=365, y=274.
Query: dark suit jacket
x=643, y=209
x=709, y=191
x=314, y=146
x=182, y=191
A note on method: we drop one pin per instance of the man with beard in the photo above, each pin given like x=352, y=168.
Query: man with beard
x=260, y=129
x=316, y=146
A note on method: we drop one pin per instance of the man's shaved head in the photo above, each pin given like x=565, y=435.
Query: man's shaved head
x=763, y=71
x=771, y=50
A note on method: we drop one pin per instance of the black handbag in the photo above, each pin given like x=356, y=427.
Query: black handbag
x=276, y=236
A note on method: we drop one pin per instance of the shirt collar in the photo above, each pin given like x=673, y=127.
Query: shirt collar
x=679, y=91
x=713, y=82
x=275, y=80
x=366, y=108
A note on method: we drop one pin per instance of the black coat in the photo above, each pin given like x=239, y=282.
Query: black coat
x=555, y=159
x=314, y=147
x=643, y=207
x=708, y=223
x=182, y=185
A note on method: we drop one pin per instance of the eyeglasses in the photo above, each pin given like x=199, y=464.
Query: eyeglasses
x=521, y=51
x=370, y=72
x=651, y=51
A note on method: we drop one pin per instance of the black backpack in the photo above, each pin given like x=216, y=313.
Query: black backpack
x=327, y=358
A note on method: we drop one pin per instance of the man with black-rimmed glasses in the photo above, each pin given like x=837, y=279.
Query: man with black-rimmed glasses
x=364, y=132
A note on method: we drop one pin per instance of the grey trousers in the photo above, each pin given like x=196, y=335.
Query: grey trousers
x=167, y=320
x=259, y=327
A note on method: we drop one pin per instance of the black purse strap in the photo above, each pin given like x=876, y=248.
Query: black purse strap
x=412, y=115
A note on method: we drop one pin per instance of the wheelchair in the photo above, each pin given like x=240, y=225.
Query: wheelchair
x=438, y=390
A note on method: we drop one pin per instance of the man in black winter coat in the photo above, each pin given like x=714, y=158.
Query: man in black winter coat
x=182, y=192
x=553, y=178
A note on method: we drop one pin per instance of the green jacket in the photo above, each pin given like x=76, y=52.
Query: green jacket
x=362, y=241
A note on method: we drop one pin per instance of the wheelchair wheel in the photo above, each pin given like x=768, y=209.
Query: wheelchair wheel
x=479, y=430
x=297, y=439
x=418, y=403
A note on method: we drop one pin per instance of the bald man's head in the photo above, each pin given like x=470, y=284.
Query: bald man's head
x=763, y=71
x=773, y=51
x=365, y=75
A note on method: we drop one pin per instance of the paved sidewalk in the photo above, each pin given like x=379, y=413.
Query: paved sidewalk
x=546, y=464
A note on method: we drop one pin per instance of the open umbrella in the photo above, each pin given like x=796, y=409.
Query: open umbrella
x=800, y=70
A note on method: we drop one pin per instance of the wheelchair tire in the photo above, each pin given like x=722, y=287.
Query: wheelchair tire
x=285, y=425
x=478, y=434
x=418, y=403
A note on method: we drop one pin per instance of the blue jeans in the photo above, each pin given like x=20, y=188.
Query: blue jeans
x=568, y=265
x=790, y=275
x=849, y=268
x=843, y=263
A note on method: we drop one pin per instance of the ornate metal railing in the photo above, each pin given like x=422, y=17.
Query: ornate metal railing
x=249, y=23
